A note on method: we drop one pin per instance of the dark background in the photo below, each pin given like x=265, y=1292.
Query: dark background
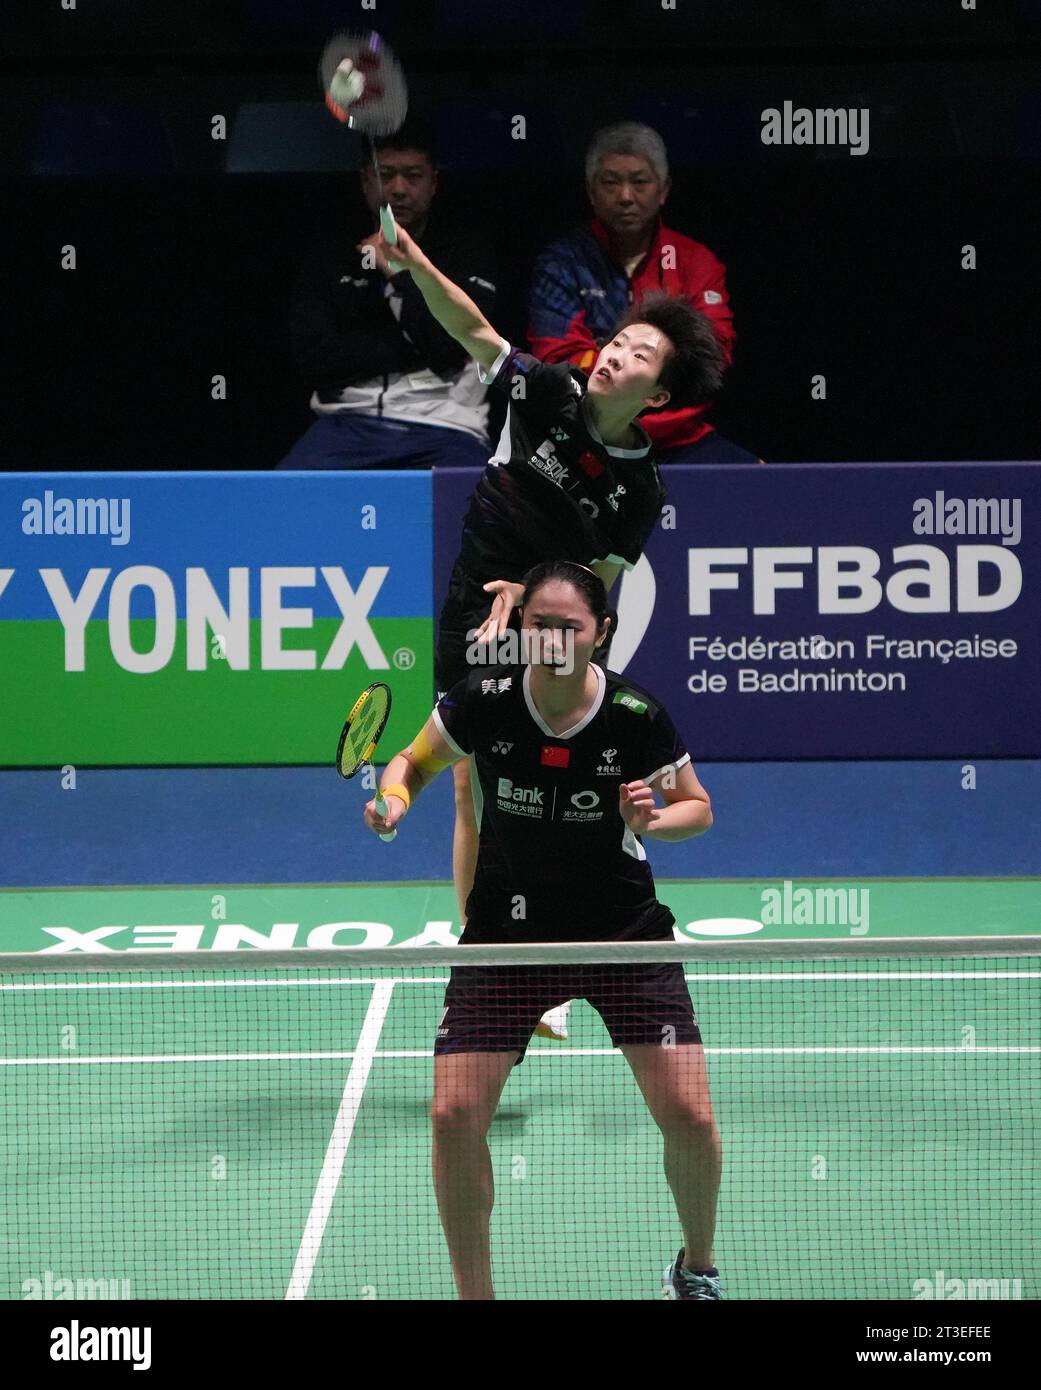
x=844, y=265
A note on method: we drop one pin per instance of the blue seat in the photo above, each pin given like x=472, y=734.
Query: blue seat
x=76, y=139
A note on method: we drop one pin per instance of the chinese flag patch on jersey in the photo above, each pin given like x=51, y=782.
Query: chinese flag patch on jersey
x=590, y=464
x=555, y=757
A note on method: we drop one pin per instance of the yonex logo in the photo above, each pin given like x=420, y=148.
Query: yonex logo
x=558, y=434
x=501, y=747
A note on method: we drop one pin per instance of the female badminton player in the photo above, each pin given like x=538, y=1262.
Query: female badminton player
x=572, y=477
x=563, y=767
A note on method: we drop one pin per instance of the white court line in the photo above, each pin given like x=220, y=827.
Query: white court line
x=336, y=1152
x=767, y=977
x=237, y=984
x=367, y=1057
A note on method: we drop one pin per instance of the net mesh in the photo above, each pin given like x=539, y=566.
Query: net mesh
x=221, y=1128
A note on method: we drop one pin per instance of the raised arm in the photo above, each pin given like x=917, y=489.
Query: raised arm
x=407, y=773
x=453, y=308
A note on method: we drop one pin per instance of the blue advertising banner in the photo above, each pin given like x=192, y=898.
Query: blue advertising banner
x=832, y=611
x=177, y=618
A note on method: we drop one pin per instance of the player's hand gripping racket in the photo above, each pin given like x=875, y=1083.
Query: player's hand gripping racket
x=364, y=88
x=360, y=734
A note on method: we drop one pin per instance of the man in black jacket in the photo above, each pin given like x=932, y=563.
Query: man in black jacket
x=390, y=388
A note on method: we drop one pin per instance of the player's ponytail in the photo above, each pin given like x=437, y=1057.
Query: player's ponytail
x=587, y=583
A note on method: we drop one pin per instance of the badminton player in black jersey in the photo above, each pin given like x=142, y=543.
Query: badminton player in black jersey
x=572, y=477
x=565, y=754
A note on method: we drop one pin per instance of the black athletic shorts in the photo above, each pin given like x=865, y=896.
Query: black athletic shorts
x=497, y=1008
x=466, y=606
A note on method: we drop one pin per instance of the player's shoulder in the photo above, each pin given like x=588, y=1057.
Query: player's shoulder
x=627, y=697
x=557, y=382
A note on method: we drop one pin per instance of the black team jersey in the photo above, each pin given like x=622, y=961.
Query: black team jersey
x=553, y=490
x=552, y=840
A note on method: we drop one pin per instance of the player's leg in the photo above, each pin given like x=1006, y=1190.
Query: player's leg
x=674, y=1082
x=467, y=1087
x=651, y=1019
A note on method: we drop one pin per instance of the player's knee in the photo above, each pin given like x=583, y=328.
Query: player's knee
x=456, y=1117
x=688, y=1121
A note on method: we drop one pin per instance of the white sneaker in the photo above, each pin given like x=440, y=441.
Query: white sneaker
x=554, y=1023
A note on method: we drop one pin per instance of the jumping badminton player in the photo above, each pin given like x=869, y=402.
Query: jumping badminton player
x=569, y=849
x=572, y=476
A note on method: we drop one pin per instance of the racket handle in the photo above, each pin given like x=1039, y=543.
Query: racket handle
x=387, y=224
x=381, y=810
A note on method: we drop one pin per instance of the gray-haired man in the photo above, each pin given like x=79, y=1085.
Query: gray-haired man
x=585, y=281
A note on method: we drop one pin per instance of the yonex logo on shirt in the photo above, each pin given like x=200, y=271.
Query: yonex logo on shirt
x=501, y=747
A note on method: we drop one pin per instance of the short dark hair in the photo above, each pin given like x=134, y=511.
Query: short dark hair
x=586, y=581
x=416, y=133
x=693, y=370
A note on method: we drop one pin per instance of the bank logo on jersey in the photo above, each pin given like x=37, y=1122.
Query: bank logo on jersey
x=519, y=801
x=609, y=768
x=547, y=463
x=501, y=747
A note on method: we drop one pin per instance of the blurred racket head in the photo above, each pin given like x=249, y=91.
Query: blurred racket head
x=383, y=105
x=362, y=729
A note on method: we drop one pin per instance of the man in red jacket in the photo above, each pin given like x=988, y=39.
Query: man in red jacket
x=586, y=280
